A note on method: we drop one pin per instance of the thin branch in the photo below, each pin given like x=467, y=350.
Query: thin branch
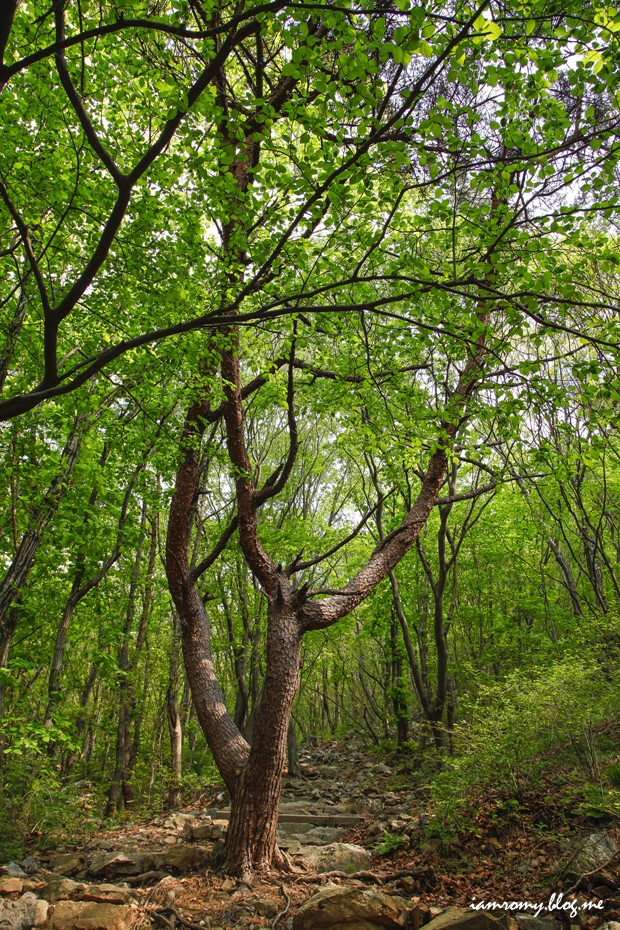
x=278, y=480
x=298, y=566
x=76, y=102
x=215, y=552
x=467, y=495
x=25, y=238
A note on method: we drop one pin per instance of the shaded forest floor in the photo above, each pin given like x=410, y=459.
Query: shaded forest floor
x=504, y=852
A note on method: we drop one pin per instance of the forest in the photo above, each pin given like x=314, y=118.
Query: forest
x=309, y=391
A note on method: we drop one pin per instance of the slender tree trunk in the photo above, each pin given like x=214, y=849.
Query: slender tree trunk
x=292, y=752
x=15, y=577
x=397, y=686
x=120, y=790
x=53, y=685
x=175, y=727
x=569, y=580
x=414, y=667
x=81, y=721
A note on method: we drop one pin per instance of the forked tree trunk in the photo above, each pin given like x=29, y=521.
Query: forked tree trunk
x=253, y=774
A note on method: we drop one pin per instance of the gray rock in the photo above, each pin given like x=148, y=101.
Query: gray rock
x=205, y=831
x=381, y=768
x=530, y=922
x=146, y=878
x=351, y=909
x=180, y=821
x=12, y=869
x=47, y=877
x=458, y=918
x=595, y=852
x=86, y=915
x=181, y=858
x=106, y=894
x=318, y=836
x=117, y=864
x=104, y=845
x=30, y=864
x=58, y=889
x=23, y=914
x=301, y=806
x=339, y=857
x=266, y=909
x=68, y=863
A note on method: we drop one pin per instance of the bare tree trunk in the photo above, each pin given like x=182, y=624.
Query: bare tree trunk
x=399, y=702
x=17, y=573
x=175, y=727
x=121, y=791
x=292, y=752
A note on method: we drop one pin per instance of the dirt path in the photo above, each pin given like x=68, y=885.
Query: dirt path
x=351, y=821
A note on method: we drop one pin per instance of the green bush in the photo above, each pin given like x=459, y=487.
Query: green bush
x=613, y=775
x=36, y=805
x=532, y=724
x=390, y=843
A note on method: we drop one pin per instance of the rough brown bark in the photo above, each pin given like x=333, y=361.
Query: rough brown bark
x=229, y=748
x=251, y=840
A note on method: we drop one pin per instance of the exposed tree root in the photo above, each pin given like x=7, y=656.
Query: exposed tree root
x=158, y=914
x=378, y=878
x=284, y=910
x=281, y=861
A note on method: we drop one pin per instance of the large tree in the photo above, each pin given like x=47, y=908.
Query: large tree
x=379, y=199
x=460, y=261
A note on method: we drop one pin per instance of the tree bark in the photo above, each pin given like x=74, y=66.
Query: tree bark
x=175, y=725
x=255, y=802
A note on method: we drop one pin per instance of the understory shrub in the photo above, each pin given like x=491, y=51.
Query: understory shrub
x=543, y=721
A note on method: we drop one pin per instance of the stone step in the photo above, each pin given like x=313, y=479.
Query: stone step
x=317, y=820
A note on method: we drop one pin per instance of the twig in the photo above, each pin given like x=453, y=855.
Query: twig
x=158, y=912
x=162, y=919
x=284, y=911
x=588, y=874
x=364, y=876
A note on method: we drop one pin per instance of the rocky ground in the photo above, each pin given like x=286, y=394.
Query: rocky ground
x=364, y=856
